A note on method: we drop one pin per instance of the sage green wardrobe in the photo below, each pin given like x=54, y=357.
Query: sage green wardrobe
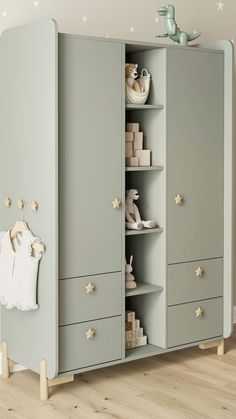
x=63, y=117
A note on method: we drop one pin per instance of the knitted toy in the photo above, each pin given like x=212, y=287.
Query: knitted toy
x=132, y=215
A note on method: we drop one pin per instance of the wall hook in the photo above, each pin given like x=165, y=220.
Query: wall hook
x=21, y=204
x=7, y=202
x=34, y=206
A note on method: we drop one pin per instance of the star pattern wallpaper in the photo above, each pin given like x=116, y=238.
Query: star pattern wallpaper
x=127, y=19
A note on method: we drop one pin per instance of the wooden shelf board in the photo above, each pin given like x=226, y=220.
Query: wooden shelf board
x=144, y=231
x=133, y=107
x=143, y=168
x=143, y=288
x=143, y=352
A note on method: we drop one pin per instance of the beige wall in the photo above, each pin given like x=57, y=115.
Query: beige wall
x=127, y=19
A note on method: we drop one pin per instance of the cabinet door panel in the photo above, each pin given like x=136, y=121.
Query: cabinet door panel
x=195, y=155
x=90, y=137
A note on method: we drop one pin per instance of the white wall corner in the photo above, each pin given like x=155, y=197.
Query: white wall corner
x=14, y=368
x=234, y=314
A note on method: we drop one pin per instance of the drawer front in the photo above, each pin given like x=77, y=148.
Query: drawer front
x=194, y=281
x=76, y=350
x=185, y=327
x=90, y=298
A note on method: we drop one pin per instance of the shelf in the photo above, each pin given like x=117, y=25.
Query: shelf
x=143, y=168
x=144, y=231
x=143, y=288
x=133, y=107
x=142, y=352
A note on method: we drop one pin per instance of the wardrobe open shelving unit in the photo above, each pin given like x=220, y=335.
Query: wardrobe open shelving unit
x=68, y=120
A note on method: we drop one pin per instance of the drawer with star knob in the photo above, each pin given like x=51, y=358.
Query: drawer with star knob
x=89, y=298
x=193, y=281
x=195, y=321
x=89, y=343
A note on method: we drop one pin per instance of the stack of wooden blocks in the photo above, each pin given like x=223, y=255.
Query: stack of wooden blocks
x=134, y=153
x=133, y=332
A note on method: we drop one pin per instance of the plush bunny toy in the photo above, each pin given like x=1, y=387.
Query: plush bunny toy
x=129, y=277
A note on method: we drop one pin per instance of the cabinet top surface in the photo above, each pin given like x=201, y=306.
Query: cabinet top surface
x=136, y=46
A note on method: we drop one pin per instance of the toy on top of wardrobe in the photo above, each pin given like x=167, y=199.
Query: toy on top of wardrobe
x=132, y=215
x=172, y=30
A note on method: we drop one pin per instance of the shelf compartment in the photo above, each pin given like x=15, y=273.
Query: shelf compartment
x=143, y=168
x=133, y=107
x=144, y=231
x=143, y=288
x=143, y=352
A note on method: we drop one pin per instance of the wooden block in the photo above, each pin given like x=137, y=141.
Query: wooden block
x=137, y=145
x=132, y=127
x=144, y=157
x=129, y=136
x=138, y=136
x=136, y=324
x=131, y=161
x=133, y=334
x=129, y=316
x=132, y=325
x=129, y=146
x=129, y=153
x=134, y=343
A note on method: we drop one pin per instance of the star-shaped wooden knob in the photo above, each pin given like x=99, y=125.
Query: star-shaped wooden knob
x=34, y=206
x=116, y=203
x=199, y=312
x=178, y=199
x=199, y=272
x=7, y=202
x=90, y=334
x=90, y=288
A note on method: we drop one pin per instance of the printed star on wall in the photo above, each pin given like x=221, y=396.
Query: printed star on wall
x=36, y=3
x=4, y=13
x=220, y=6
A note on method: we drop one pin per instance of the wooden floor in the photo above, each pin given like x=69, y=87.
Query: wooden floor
x=190, y=383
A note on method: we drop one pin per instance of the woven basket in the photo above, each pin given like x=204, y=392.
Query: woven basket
x=131, y=96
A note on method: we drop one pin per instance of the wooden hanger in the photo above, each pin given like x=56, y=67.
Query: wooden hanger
x=22, y=226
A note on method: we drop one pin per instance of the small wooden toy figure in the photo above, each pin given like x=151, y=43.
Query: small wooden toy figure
x=129, y=277
x=132, y=215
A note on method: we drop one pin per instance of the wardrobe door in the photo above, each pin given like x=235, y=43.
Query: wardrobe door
x=28, y=171
x=195, y=154
x=90, y=136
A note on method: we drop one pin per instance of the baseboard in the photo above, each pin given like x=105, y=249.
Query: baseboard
x=13, y=368
x=234, y=314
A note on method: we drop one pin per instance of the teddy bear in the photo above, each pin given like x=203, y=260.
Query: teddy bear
x=131, y=75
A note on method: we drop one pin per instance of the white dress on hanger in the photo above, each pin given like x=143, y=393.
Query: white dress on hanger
x=19, y=271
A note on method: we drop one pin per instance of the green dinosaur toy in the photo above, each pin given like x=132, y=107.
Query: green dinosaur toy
x=172, y=30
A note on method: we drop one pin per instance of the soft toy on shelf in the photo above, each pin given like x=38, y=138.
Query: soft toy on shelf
x=132, y=215
x=131, y=75
x=129, y=277
x=136, y=89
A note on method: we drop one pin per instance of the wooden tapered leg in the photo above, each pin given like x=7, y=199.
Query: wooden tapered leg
x=216, y=343
x=43, y=381
x=5, y=361
x=221, y=348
